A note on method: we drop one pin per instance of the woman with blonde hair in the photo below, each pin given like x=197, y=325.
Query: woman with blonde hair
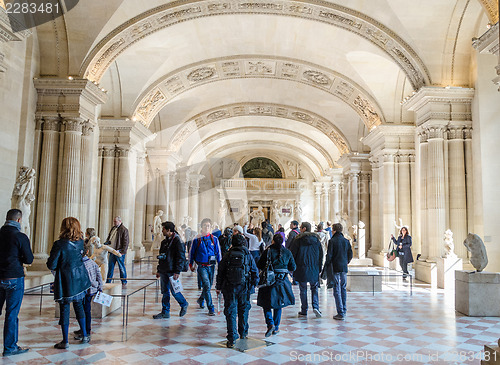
x=71, y=279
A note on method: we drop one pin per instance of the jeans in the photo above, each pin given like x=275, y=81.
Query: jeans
x=121, y=266
x=87, y=308
x=166, y=289
x=64, y=312
x=272, y=319
x=314, y=295
x=404, y=266
x=340, y=292
x=207, y=278
x=255, y=255
x=236, y=303
x=11, y=293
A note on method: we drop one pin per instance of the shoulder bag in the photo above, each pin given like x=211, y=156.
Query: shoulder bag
x=267, y=277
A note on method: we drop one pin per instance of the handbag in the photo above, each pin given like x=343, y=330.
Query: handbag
x=267, y=277
x=391, y=253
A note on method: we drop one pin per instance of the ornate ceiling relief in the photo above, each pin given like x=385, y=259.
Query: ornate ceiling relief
x=106, y=51
x=241, y=67
x=491, y=7
x=151, y=104
x=281, y=111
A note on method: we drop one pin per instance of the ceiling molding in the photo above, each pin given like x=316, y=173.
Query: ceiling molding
x=111, y=46
x=258, y=109
x=491, y=8
x=159, y=93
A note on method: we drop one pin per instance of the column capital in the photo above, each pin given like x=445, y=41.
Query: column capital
x=72, y=125
x=468, y=133
x=436, y=131
x=51, y=124
x=108, y=151
x=87, y=128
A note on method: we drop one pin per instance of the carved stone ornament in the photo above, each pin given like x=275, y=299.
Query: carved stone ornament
x=317, y=77
x=478, y=256
x=23, y=195
x=201, y=73
x=449, y=246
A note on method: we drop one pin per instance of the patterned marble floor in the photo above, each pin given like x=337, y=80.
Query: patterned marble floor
x=390, y=327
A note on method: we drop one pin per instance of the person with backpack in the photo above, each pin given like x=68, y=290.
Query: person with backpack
x=171, y=262
x=236, y=278
x=205, y=251
x=225, y=240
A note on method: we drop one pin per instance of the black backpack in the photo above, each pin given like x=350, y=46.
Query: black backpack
x=238, y=266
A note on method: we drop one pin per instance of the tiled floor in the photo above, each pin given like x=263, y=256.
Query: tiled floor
x=422, y=328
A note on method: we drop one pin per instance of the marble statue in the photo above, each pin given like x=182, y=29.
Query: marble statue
x=222, y=214
x=276, y=214
x=257, y=216
x=24, y=194
x=478, y=256
x=449, y=246
x=157, y=229
x=298, y=211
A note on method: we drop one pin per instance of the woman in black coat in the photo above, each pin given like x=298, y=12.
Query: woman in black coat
x=280, y=294
x=403, y=244
x=71, y=279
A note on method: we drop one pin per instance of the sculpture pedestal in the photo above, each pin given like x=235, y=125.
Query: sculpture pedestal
x=361, y=243
x=98, y=310
x=426, y=271
x=364, y=280
x=446, y=267
x=477, y=294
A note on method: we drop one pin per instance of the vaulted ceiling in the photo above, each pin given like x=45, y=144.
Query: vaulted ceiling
x=306, y=76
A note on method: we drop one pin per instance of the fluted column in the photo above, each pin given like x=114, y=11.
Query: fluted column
x=436, y=208
x=68, y=201
x=37, y=150
x=163, y=184
x=364, y=204
x=108, y=176
x=336, y=203
x=375, y=213
x=183, y=200
x=423, y=191
x=404, y=189
x=140, y=204
x=457, y=186
x=345, y=194
x=194, y=190
x=354, y=197
x=123, y=193
x=150, y=203
x=85, y=173
x=325, y=212
x=389, y=197
x=317, y=201
x=172, y=195
x=47, y=188
x=468, y=178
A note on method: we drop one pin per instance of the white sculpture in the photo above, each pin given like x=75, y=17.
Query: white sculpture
x=401, y=225
x=257, y=216
x=298, y=211
x=222, y=213
x=478, y=256
x=276, y=214
x=157, y=229
x=100, y=254
x=23, y=195
x=449, y=246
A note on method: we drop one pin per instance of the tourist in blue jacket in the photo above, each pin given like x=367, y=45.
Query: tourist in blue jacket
x=205, y=251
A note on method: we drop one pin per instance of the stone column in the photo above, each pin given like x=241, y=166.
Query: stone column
x=183, y=201
x=85, y=173
x=404, y=189
x=375, y=221
x=468, y=178
x=193, y=198
x=122, y=197
x=150, y=204
x=317, y=201
x=172, y=195
x=423, y=191
x=457, y=188
x=364, y=204
x=68, y=201
x=46, y=196
x=336, y=203
x=389, y=197
x=436, y=206
x=354, y=197
x=326, y=202
x=106, y=204
x=140, y=203
x=162, y=202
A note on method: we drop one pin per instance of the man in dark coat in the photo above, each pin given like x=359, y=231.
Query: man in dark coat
x=308, y=255
x=118, y=239
x=14, y=252
x=294, y=231
x=171, y=261
x=338, y=256
x=236, y=278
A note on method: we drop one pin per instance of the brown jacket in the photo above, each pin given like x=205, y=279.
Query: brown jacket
x=122, y=239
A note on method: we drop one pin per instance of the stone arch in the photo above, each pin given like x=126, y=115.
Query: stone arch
x=259, y=109
x=161, y=17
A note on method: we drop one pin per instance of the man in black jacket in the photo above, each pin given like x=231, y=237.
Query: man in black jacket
x=337, y=258
x=171, y=261
x=236, y=278
x=14, y=252
x=294, y=231
x=308, y=255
